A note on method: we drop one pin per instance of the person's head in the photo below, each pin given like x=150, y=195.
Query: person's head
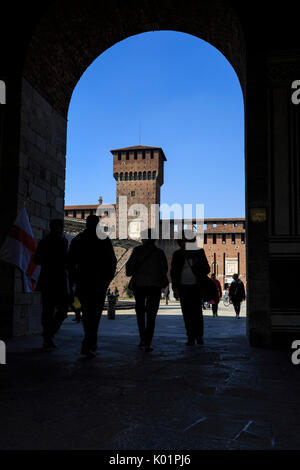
x=91, y=223
x=56, y=226
x=187, y=237
x=146, y=237
x=235, y=277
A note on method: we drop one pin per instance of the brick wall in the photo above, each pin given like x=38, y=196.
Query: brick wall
x=41, y=180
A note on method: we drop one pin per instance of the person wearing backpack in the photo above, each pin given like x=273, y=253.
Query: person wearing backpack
x=188, y=266
x=148, y=267
x=237, y=294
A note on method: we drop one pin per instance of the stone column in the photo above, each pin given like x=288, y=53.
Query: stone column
x=257, y=202
x=33, y=170
x=284, y=194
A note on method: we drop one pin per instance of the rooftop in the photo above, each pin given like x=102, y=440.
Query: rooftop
x=139, y=147
x=89, y=206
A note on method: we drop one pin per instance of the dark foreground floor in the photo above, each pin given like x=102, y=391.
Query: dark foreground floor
x=223, y=395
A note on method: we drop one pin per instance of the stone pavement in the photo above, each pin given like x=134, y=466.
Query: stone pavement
x=223, y=395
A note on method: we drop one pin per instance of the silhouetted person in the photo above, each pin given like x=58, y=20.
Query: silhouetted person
x=148, y=267
x=187, y=268
x=51, y=254
x=214, y=304
x=237, y=294
x=77, y=310
x=92, y=265
x=116, y=293
x=167, y=294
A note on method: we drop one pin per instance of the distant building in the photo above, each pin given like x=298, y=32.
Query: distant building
x=139, y=175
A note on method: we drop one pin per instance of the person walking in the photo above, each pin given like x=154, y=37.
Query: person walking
x=167, y=294
x=188, y=266
x=148, y=267
x=215, y=304
x=237, y=294
x=77, y=309
x=116, y=293
x=51, y=255
x=92, y=265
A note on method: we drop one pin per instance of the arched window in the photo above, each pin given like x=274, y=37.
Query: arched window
x=126, y=176
x=135, y=175
x=154, y=175
x=130, y=176
x=144, y=175
x=140, y=175
x=116, y=176
x=149, y=175
x=121, y=176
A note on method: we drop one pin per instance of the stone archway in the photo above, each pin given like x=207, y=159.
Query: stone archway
x=66, y=40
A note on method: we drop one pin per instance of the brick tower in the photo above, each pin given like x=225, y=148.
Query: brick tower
x=139, y=173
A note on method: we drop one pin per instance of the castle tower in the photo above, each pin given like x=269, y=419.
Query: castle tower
x=139, y=173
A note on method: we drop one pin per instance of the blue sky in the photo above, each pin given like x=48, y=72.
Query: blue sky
x=185, y=97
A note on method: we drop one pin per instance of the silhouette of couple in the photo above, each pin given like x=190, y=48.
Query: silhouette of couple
x=87, y=269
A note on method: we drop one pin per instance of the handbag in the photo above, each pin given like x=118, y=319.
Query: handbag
x=208, y=290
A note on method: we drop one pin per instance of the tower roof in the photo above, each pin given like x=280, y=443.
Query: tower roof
x=139, y=147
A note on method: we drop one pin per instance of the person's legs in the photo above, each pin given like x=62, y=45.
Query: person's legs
x=237, y=308
x=152, y=306
x=92, y=307
x=61, y=313
x=140, y=310
x=48, y=308
x=215, y=309
x=197, y=316
x=186, y=303
x=77, y=315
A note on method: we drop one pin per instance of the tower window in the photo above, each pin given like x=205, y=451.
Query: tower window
x=214, y=238
x=243, y=238
x=135, y=155
x=151, y=155
x=126, y=176
x=130, y=176
x=154, y=175
x=205, y=238
x=144, y=155
x=140, y=175
x=135, y=175
x=144, y=175
x=233, y=238
x=119, y=156
x=223, y=238
x=149, y=175
x=132, y=193
x=121, y=176
x=127, y=155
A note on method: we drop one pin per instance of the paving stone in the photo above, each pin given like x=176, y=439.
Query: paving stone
x=223, y=395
